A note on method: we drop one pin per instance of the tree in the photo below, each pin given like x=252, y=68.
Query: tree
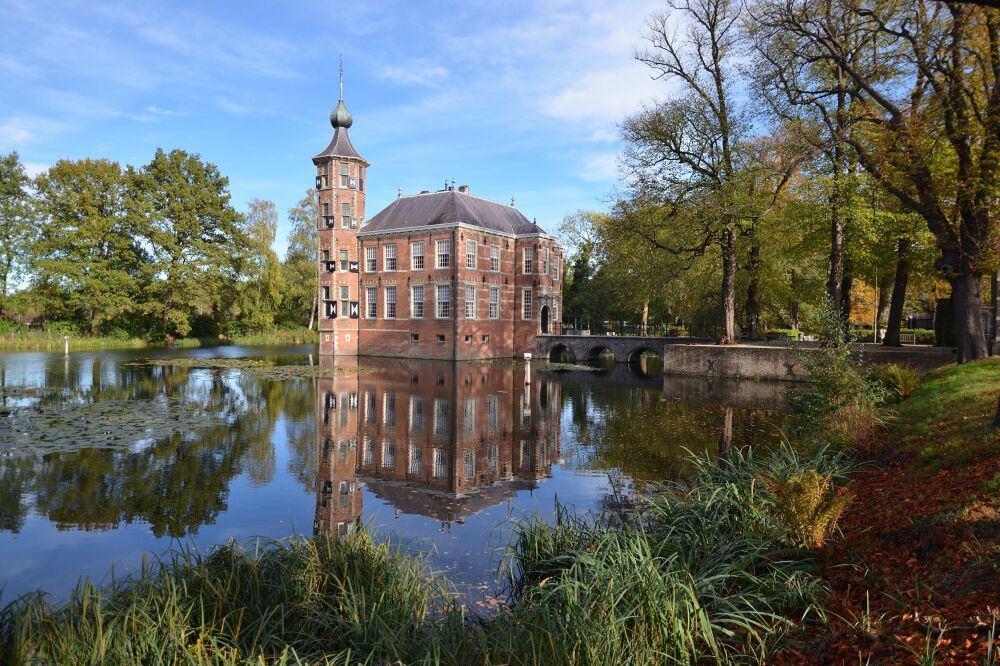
x=262, y=289
x=185, y=219
x=87, y=248
x=694, y=155
x=926, y=116
x=15, y=223
x=299, y=268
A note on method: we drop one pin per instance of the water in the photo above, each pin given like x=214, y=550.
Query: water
x=106, y=458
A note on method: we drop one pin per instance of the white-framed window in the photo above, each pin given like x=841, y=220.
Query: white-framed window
x=371, y=259
x=526, y=303
x=389, y=257
x=370, y=407
x=443, y=253
x=440, y=416
x=371, y=302
x=326, y=210
x=529, y=259
x=555, y=267
x=343, y=174
x=443, y=301
x=344, y=261
x=469, y=415
x=345, y=215
x=417, y=255
x=389, y=409
x=470, y=301
x=417, y=301
x=440, y=463
x=471, y=250
x=545, y=261
x=390, y=302
x=416, y=413
x=345, y=299
x=494, y=258
x=388, y=454
x=469, y=463
x=492, y=413
x=494, y=302
x=416, y=459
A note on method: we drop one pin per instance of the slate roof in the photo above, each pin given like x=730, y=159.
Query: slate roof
x=340, y=146
x=449, y=207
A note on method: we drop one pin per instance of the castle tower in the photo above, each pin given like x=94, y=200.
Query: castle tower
x=340, y=185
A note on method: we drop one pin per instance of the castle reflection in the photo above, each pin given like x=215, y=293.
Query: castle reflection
x=439, y=439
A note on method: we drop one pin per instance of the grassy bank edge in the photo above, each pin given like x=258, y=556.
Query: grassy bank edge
x=53, y=342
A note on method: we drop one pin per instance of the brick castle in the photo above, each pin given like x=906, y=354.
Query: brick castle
x=440, y=275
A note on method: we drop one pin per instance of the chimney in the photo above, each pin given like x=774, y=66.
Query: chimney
x=464, y=189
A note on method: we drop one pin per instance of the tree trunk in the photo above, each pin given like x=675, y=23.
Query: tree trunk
x=312, y=310
x=793, y=303
x=898, y=293
x=835, y=281
x=753, y=288
x=726, y=436
x=728, y=287
x=967, y=309
x=845, y=298
x=884, y=302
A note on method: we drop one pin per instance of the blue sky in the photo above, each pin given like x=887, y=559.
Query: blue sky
x=512, y=98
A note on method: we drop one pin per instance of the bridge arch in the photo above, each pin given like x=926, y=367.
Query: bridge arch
x=561, y=353
x=635, y=354
x=595, y=353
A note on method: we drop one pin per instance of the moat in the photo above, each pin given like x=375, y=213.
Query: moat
x=110, y=457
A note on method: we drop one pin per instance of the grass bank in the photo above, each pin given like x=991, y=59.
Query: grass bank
x=915, y=577
x=714, y=570
x=53, y=342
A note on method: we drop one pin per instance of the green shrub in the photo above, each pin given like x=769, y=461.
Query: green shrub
x=838, y=403
x=899, y=381
x=781, y=333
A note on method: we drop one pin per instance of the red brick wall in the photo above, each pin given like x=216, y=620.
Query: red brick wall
x=480, y=337
x=339, y=336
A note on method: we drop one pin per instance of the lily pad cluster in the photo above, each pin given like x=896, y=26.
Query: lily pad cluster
x=260, y=368
x=54, y=425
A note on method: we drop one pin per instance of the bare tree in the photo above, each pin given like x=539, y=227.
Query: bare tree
x=694, y=153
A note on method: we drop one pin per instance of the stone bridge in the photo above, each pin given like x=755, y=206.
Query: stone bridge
x=590, y=347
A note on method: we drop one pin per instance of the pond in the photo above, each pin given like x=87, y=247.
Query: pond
x=107, y=458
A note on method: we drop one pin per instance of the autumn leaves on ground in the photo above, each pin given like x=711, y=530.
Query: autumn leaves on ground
x=915, y=575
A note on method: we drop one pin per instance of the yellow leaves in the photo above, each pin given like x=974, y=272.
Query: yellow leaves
x=807, y=506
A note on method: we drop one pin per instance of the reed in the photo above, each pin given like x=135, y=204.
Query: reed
x=692, y=573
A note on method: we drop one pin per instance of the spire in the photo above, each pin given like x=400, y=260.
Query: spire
x=341, y=117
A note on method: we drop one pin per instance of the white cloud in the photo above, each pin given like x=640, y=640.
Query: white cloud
x=599, y=167
x=603, y=95
x=35, y=168
x=417, y=72
x=157, y=111
x=230, y=106
x=12, y=135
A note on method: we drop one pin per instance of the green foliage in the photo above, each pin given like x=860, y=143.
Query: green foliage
x=89, y=261
x=838, y=403
x=299, y=267
x=194, y=237
x=16, y=221
x=898, y=381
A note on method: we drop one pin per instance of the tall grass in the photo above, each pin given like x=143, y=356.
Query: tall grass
x=36, y=340
x=696, y=572
x=49, y=341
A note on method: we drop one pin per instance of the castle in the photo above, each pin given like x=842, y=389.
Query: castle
x=439, y=275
